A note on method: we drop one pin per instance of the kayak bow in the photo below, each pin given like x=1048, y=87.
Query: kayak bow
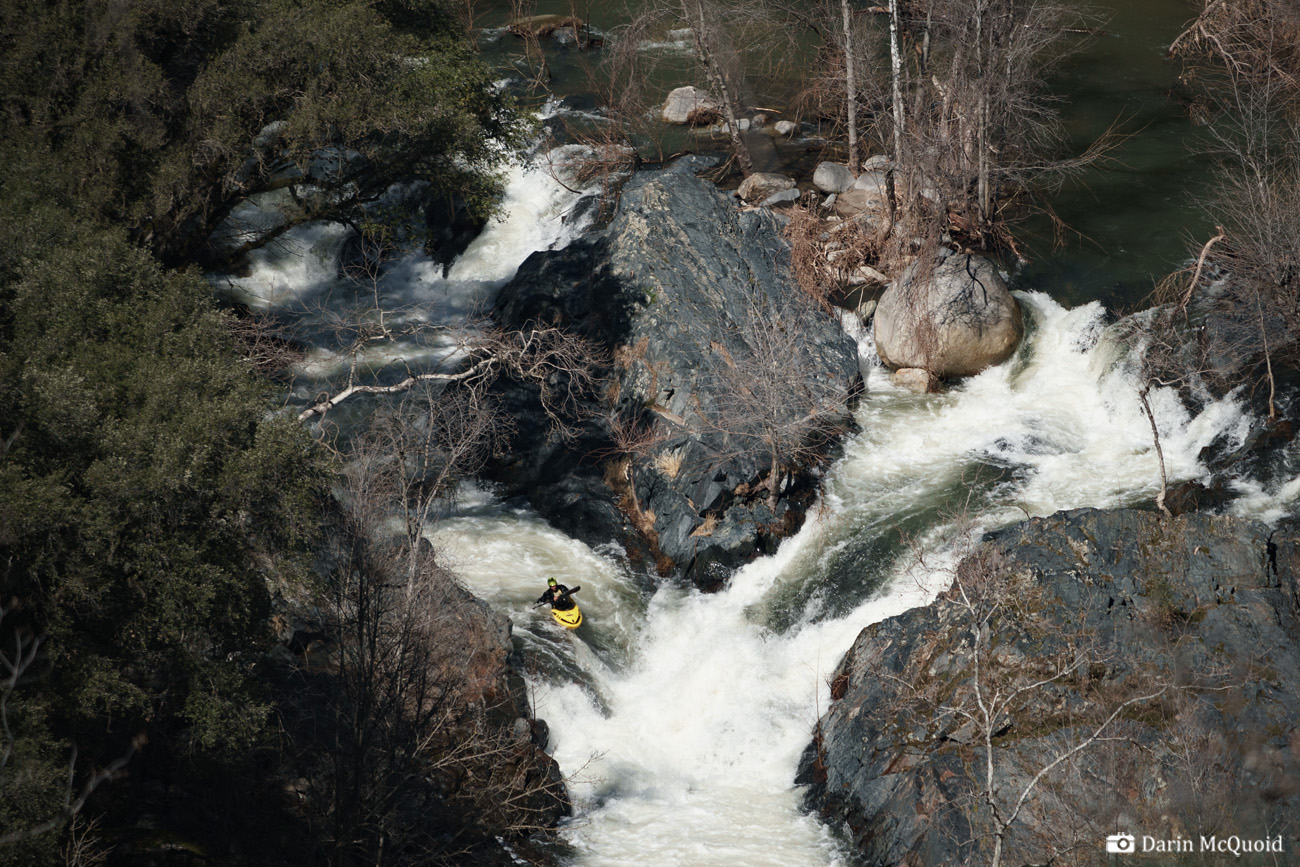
x=569, y=619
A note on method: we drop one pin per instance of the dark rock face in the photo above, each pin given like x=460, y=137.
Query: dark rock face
x=490, y=679
x=672, y=286
x=451, y=228
x=484, y=784
x=1100, y=611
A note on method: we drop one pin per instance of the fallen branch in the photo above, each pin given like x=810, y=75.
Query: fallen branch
x=1200, y=265
x=481, y=368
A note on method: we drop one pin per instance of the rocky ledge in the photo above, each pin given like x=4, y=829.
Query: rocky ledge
x=1090, y=673
x=718, y=362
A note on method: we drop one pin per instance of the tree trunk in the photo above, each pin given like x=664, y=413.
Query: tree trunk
x=774, y=480
x=896, y=81
x=1160, y=453
x=693, y=11
x=896, y=86
x=850, y=86
x=982, y=116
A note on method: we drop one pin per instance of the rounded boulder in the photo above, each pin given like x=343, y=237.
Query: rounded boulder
x=951, y=315
x=833, y=177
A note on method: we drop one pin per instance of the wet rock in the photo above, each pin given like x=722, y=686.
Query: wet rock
x=667, y=288
x=1125, y=604
x=451, y=228
x=914, y=379
x=785, y=127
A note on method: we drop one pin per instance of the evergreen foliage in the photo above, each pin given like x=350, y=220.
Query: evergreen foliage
x=165, y=116
x=152, y=500
x=146, y=497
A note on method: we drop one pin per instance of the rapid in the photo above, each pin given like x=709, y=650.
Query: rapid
x=679, y=718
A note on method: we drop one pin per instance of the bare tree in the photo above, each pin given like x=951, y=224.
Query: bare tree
x=702, y=17
x=967, y=115
x=1246, y=58
x=1005, y=692
x=764, y=395
x=1002, y=684
x=850, y=82
x=407, y=740
x=1165, y=353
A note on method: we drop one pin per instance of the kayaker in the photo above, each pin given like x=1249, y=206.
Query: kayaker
x=558, y=595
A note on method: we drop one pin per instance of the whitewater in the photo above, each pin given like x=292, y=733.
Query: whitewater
x=678, y=717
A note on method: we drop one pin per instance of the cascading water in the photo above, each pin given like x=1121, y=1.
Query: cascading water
x=678, y=717
x=681, y=717
x=296, y=280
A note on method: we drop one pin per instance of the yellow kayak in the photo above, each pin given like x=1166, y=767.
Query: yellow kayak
x=569, y=619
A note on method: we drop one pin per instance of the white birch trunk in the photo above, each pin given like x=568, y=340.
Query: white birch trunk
x=850, y=86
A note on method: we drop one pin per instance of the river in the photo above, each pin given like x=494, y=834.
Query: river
x=678, y=717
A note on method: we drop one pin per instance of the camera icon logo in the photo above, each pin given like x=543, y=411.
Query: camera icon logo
x=1124, y=844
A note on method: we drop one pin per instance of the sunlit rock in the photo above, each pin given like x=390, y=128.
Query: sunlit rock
x=761, y=185
x=953, y=317
x=832, y=177
x=684, y=102
x=916, y=379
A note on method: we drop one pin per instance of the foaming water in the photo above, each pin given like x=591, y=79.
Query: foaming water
x=681, y=717
x=297, y=281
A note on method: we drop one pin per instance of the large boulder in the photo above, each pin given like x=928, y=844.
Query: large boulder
x=671, y=289
x=1180, y=632
x=832, y=177
x=951, y=315
x=687, y=105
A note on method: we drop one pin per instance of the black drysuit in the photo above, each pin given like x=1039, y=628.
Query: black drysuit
x=558, y=597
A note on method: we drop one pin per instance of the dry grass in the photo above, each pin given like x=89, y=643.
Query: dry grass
x=822, y=272
x=706, y=529
x=704, y=117
x=669, y=463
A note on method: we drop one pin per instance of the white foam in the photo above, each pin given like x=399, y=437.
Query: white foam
x=683, y=746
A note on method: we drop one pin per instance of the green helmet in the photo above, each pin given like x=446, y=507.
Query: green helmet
x=550, y=582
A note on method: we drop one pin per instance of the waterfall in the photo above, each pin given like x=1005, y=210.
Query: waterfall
x=680, y=717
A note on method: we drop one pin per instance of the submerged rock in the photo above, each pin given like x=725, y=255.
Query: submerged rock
x=675, y=288
x=1184, y=629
